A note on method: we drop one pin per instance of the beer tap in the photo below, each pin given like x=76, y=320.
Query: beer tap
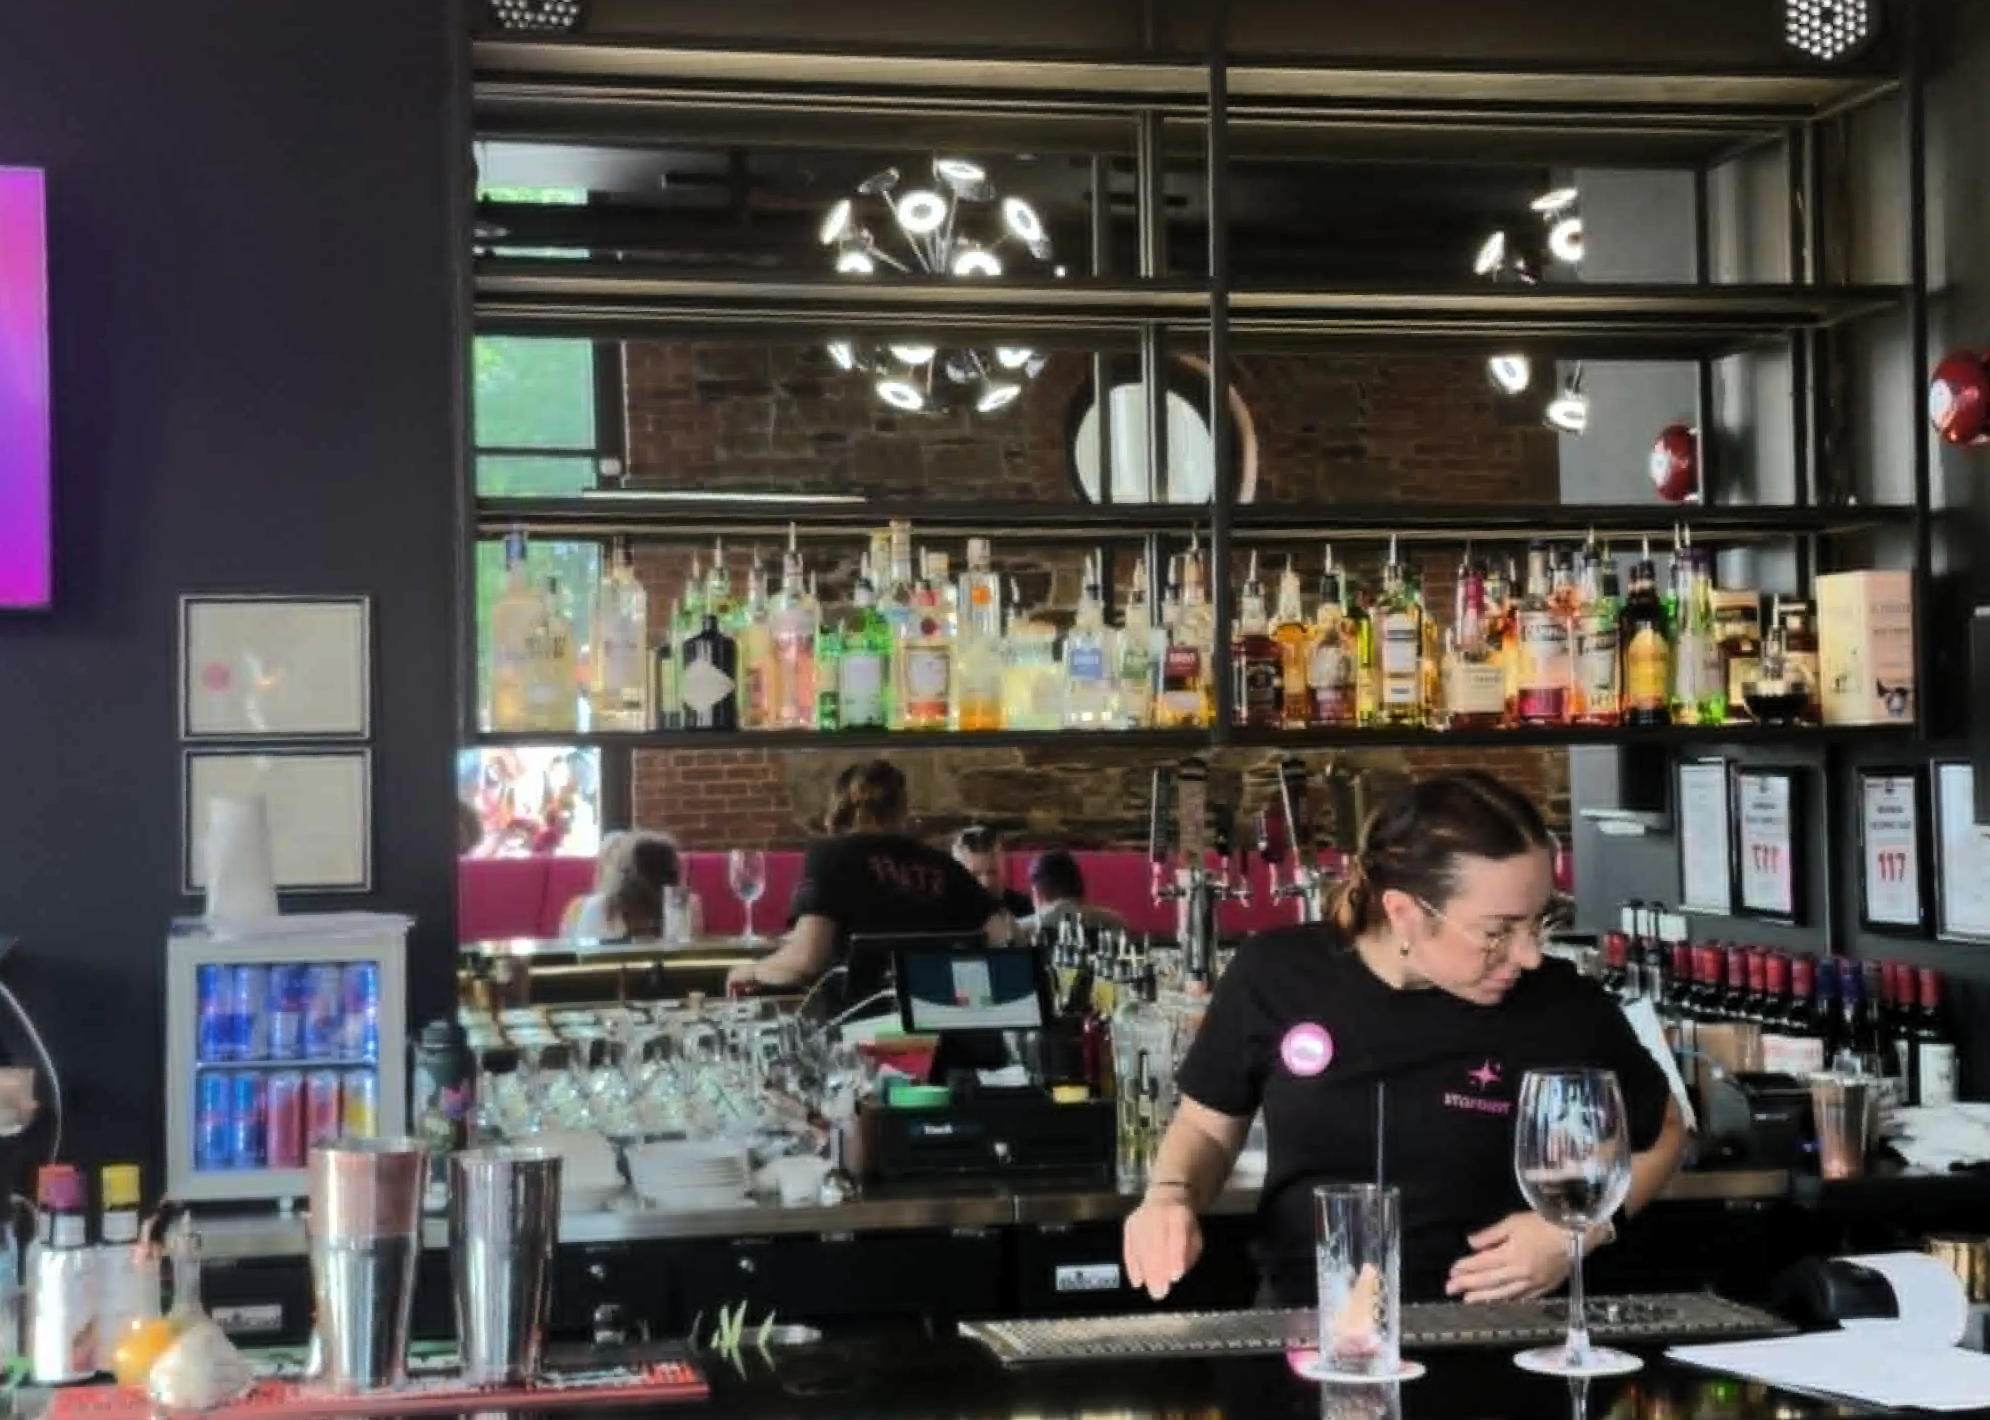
x=1193, y=883
x=1309, y=881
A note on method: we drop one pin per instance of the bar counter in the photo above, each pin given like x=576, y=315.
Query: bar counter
x=278, y=1235
x=889, y=1379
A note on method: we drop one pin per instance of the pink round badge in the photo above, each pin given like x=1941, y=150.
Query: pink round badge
x=1307, y=1049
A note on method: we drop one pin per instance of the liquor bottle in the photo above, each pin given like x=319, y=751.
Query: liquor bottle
x=978, y=660
x=620, y=681
x=1141, y=1040
x=1855, y=1017
x=1294, y=637
x=757, y=674
x=1933, y=1054
x=514, y=617
x=792, y=625
x=127, y=1277
x=1474, y=680
x=552, y=669
x=853, y=659
x=1135, y=658
x=666, y=697
x=1542, y=631
x=1091, y=680
x=1801, y=658
x=1699, y=692
x=1398, y=659
x=709, y=681
x=928, y=652
x=719, y=602
x=1430, y=686
x=1646, y=648
x=1503, y=604
x=1186, y=687
x=1336, y=652
x=1032, y=685
x=1257, y=663
x=1598, y=668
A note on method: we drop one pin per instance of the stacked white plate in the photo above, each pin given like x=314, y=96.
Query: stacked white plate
x=690, y=1174
x=589, y=1179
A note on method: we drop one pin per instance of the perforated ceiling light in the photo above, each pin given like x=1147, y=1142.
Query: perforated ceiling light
x=1828, y=29
x=542, y=16
x=958, y=228
x=1510, y=373
x=1569, y=410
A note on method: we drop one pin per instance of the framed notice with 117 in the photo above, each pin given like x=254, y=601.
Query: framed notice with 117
x=1893, y=864
x=1767, y=866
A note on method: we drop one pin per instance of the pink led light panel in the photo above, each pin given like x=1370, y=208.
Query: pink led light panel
x=25, y=454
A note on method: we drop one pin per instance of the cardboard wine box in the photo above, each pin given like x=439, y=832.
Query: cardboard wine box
x=1865, y=647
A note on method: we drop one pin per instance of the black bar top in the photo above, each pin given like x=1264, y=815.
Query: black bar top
x=902, y=1378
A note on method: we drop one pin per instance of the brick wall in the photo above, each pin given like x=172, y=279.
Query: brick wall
x=1327, y=427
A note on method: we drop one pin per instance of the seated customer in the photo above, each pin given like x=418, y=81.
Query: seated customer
x=1057, y=885
x=589, y=908
x=871, y=877
x=633, y=908
x=978, y=849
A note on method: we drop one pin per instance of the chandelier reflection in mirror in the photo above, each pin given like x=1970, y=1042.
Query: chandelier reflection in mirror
x=957, y=228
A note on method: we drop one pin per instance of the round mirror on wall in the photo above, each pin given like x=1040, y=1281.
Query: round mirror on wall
x=1189, y=472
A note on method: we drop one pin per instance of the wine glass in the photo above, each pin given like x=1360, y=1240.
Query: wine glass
x=746, y=869
x=1572, y=1154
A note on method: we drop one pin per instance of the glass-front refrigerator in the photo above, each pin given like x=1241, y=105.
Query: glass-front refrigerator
x=279, y=1035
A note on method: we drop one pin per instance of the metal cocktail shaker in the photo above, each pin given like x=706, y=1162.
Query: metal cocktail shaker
x=365, y=1238
x=504, y=1217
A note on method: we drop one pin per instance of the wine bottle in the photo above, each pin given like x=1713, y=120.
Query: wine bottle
x=1934, y=1052
x=1777, y=1043
x=1805, y=1055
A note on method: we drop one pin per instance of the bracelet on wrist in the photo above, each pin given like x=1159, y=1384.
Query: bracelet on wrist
x=1181, y=1185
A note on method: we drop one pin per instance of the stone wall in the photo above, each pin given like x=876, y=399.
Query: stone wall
x=1328, y=428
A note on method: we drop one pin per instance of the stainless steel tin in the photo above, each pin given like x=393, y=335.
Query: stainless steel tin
x=365, y=1238
x=504, y=1216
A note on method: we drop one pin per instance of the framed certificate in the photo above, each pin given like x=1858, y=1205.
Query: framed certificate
x=1706, y=882
x=1892, y=866
x=320, y=805
x=1962, y=856
x=275, y=667
x=1767, y=866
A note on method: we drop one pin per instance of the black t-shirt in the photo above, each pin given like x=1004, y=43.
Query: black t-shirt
x=887, y=882
x=1300, y=1027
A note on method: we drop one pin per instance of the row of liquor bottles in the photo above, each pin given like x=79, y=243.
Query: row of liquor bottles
x=925, y=650
x=1811, y=1012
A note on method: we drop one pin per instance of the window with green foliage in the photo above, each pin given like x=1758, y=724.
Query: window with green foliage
x=545, y=420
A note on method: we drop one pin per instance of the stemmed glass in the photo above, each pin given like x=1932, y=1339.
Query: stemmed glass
x=1572, y=1154
x=747, y=872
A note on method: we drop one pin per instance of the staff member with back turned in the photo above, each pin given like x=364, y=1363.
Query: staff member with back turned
x=870, y=877
x=1428, y=979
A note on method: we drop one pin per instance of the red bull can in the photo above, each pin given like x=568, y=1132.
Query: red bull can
x=360, y=996
x=214, y=1038
x=324, y=1012
x=214, y=1141
x=285, y=1104
x=289, y=990
x=322, y=1111
x=361, y=1090
x=247, y=1120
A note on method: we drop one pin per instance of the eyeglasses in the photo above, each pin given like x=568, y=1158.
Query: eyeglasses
x=1497, y=944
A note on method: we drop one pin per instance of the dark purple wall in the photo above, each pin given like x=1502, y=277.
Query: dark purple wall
x=252, y=232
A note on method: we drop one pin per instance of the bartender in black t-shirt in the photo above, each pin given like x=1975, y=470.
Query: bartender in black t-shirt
x=1428, y=980
x=870, y=877
x=978, y=848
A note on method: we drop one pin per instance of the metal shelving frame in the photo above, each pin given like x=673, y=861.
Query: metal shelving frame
x=1219, y=104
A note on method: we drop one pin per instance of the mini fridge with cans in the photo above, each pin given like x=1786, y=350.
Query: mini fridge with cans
x=280, y=1034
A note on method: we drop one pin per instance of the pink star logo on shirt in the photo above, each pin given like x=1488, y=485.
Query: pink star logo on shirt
x=1485, y=1077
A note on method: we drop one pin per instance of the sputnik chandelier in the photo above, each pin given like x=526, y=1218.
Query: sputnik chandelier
x=1504, y=257
x=958, y=228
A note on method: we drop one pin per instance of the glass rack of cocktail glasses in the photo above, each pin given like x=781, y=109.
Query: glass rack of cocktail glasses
x=664, y=1104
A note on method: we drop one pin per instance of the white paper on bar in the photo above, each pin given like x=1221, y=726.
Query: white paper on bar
x=1933, y=1308
x=1854, y=1367
x=1909, y=1360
